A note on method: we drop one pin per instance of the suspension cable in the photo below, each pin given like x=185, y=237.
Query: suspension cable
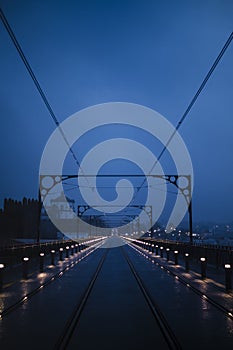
x=37, y=84
x=204, y=82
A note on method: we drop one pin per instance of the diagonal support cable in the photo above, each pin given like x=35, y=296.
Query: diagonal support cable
x=37, y=84
x=203, y=84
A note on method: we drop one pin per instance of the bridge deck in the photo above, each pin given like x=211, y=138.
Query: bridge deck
x=115, y=314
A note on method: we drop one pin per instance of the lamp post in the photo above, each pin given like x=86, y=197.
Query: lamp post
x=1, y=276
x=161, y=252
x=67, y=251
x=25, y=267
x=41, y=262
x=203, y=268
x=76, y=248
x=53, y=257
x=228, y=277
x=60, y=254
x=186, y=262
x=176, y=256
x=167, y=252
x=152, y=248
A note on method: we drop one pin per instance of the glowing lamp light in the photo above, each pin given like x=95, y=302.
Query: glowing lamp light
x=41, y=254
x=176, y=252
x=227, y=266
x=1, y=266
x=202, y=259
x=25, y=259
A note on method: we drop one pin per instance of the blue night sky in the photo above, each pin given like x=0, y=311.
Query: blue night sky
x=153, y=53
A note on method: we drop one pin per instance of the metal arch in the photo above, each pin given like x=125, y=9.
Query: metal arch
x=172, y=179
x=186, y=190
x=141, y=207
x=117, y=220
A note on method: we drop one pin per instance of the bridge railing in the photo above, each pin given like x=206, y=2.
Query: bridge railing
x=12, y=255
x=215, y=255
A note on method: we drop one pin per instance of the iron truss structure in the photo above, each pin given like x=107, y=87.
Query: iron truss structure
x=186, y=191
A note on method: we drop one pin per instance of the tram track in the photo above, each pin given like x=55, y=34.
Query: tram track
x=67, y=333
x=72, y=324
x=9, y=309
x=228, y=313
x=118, y=304
x=169, y=336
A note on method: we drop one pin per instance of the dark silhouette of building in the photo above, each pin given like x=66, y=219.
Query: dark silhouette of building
x=19, y=219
